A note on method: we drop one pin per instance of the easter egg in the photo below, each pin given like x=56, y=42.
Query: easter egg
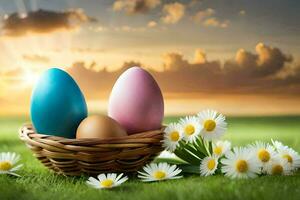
x=136, y=101
x=57, y=104
x=99, y=126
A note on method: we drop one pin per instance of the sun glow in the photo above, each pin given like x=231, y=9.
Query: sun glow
x=30, y=78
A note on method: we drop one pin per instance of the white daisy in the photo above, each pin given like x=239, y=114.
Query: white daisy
x=173, y=134
x=107, y=181
x=159, y=172
x=220, y=148
x=263, y=152
x=190, y=128
x=291, y=156
x=208, y=165
x=278, y=166
x=8, y=163
x=240, y=163
x=277, y=145
x=214, y=125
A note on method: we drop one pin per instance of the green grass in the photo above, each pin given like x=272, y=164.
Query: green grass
x=39, y=183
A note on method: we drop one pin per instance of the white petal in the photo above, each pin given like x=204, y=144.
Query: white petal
x=122, y=180
x=101, y=177
x=16, y=168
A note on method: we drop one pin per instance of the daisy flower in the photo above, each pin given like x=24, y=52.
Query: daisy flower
x=190, y=128
x=262, y=152
x=214, y=125
x=278, y=166
x=291, y=156
x=8, y=163
x=172, y=137
x=159, y=172
x=240, y=163
x=107, y=181
x=208, y=165
x=220, y=148
x=277, y=145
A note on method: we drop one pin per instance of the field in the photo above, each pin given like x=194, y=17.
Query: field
x=39, y=183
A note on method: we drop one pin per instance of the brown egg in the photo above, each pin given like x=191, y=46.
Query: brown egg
x=99, y=126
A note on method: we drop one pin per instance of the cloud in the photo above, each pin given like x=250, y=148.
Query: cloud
x=124, y=28
x=207, y=18
x=98, y=28
x=36, y=58
x=135, y=6
x=43, y=21
x=202, y=14
x=89, y=77
x=127, y=28
x=173, y=61
x=12, y=74
x=15, y=77
x=265, y=61
x=214, y=22
x=242, y=12
x=200, y=56
x=10, y=79
x=193, y=3
x=88, y=50
x=211, y=22
x=246, y=73
x=152, y=24
x=173, y=12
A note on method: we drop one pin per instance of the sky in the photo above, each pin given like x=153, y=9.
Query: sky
x=239, y=57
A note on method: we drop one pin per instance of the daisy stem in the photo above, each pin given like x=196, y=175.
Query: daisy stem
x=210, y=149
x=191, y=147
x=182, y=156
x=187, y=156
x=218, y=171
x=197, y=151
x=198, y=154
x=200, y=146
x=206, y=146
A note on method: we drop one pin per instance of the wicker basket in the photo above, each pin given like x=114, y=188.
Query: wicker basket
x=93, y=156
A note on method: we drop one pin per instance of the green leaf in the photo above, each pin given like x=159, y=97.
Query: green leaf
x=187, y=156
x=174, y=161
x=182, y=156
x=191, y=169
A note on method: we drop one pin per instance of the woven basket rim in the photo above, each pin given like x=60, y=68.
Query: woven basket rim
x=29, y=131
x=93, y=156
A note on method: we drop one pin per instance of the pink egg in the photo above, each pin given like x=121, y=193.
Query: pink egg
x=136, y=101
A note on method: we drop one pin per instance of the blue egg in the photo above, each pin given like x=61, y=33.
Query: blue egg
x=57, y=104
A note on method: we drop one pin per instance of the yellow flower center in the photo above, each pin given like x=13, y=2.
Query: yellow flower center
x=277, y=170
x=209, y=125
x=174, y=136
x=242, y=166
x=211, y=164
x=107, y=183
x=159, y=175
x=189, y=129
x=5, y=165
x=218, y=150
x=288, y=158
x=264, y=155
